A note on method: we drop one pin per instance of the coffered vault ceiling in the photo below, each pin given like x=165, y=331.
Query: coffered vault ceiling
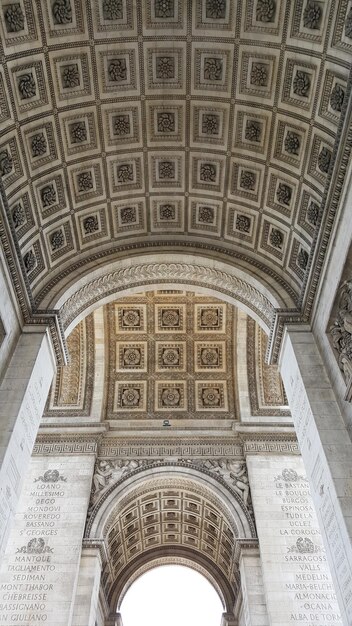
x=165, y=518
x=204, y=123
x=171, y=517
x=168, y=355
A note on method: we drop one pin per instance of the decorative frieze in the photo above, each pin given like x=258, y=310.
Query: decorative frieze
x=108, y=447
x=110, y=472
x=165, y=448
x=51, y=445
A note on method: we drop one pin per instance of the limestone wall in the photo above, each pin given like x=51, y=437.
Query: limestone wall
x=39, y=572
x=9, y=320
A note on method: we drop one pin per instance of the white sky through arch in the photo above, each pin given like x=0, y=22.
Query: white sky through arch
x=171, y=595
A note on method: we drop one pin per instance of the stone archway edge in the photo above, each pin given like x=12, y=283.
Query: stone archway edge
x=261, y=300
x=179, y=273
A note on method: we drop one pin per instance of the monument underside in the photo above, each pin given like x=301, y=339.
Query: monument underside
x=200, y=126
x=175, y=305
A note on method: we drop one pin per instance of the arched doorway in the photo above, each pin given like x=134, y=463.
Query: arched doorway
x=170, y=513
x=173, y=593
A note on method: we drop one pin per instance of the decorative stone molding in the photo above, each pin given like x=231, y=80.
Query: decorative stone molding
x=57, y=335
x=156, y=273
x=274, y=443
x=192, y=468
x=266, y=391
x=289, y=316
x=98, y=544
x=51, y=320
x=72, y=388
x=341, y=334
x=144, y=452
x=31, y=316
x=243, y=545
x=52, y=445
x=330, y=203
x=165, y=448
x=232, y=472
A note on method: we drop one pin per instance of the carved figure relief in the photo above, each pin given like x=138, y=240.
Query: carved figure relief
x=234, y=473
x=108, y=472
x=289, y=475
x=51, y=476
x=304, y=545
x=341, y=331
x=35, y=546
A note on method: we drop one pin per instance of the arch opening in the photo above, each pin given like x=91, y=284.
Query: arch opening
x=174, y=593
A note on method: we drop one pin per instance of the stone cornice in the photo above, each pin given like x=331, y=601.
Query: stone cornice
x=53, y=321
x=98, y=544
x=52, y=445
x=269, y=443
x=246, y=441
x=281, y=319
x=245, y=545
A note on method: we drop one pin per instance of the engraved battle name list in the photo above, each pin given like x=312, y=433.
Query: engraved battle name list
x=37, y=577
x=296, y=575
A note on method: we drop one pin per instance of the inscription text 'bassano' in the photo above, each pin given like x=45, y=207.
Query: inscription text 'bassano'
x=30, y=586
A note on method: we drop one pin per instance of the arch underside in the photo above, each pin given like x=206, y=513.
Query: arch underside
x=207, y=129
x=199, y=146
x=180, y=474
